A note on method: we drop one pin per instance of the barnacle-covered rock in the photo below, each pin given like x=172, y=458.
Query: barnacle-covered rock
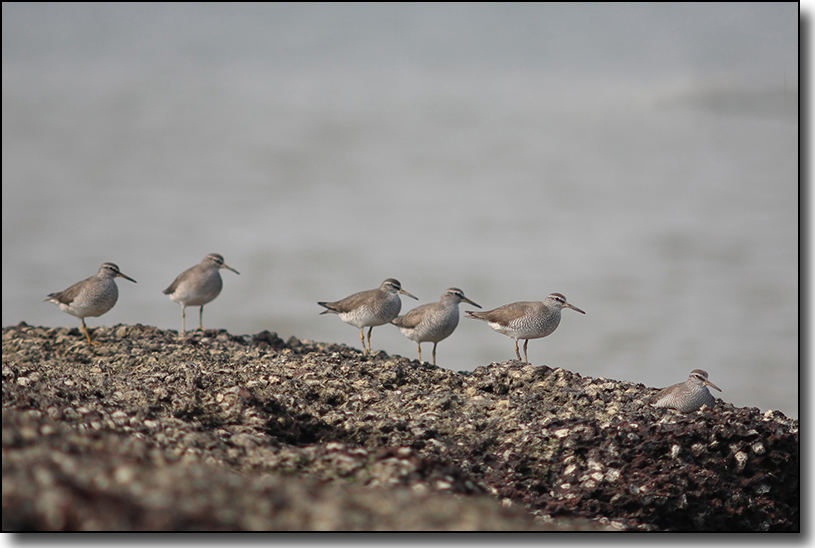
x=151, y=430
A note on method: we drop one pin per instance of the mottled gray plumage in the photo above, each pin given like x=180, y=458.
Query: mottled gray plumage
x=433, y=322
x=687, y=396
x=92, y=296
x=198, y=285
x=526, y=319
x=369, y=308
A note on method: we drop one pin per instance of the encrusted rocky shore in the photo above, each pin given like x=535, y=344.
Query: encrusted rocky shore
x=213, y=431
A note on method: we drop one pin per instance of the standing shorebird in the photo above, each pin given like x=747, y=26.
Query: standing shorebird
x=369, y=308
x=198, y=285
x=433, y=322
x=526, y=319
x=687, y=396
x=92, y=296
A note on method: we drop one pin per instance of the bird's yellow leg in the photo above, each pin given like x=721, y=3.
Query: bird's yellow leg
x=88, y=335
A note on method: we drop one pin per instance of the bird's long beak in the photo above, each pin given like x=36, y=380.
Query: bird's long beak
x=710, y=384
x=466, y=300
x=224, y=265
x=573, y=307
x=403, y=292
x=120, y=275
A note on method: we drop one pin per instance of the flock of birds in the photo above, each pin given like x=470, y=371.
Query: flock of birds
x=432, y=322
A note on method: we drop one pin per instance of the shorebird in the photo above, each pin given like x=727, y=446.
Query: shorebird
x=433, y=322
x=687, y=396
x=369, y=308
x=198, y=285
x=526, y=319
x=92, y=296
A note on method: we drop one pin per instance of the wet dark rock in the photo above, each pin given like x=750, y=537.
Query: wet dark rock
x=212, y=431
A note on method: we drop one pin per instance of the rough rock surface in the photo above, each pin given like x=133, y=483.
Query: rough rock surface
x=149, y=430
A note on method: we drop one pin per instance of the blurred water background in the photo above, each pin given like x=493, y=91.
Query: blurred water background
x=641, y=159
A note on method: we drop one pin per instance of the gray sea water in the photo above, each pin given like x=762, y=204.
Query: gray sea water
x=640, y=159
